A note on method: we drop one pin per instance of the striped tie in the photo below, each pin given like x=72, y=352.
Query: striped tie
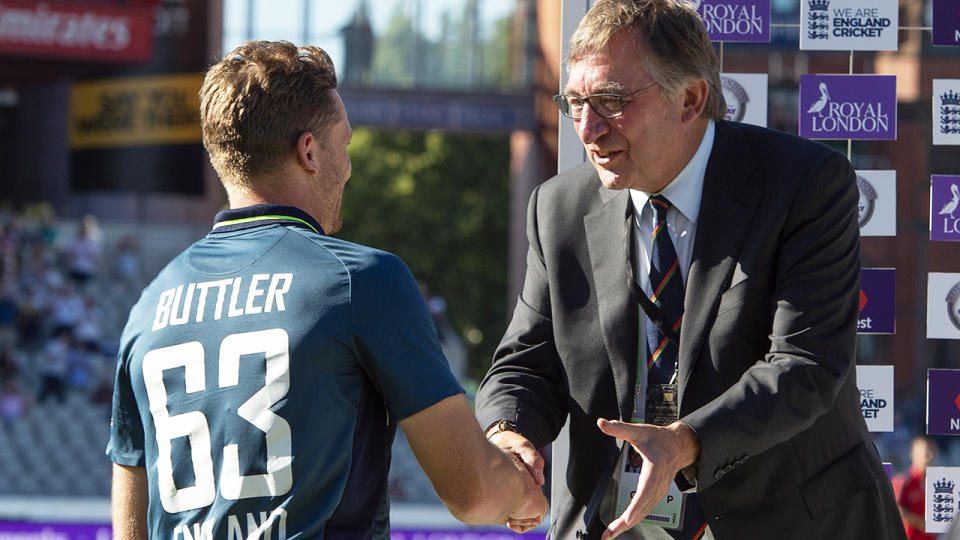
x=667, y=286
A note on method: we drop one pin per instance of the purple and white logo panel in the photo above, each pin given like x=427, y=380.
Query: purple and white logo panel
x=946, y=111
x=736, y=20
x=848, y=106
x=943, y=401
x=877, y=207
x=943, y=305
x=746, y=97
x=849, y=25
x=941, y=499
x=945, y=208
x=878, y=292
x=946, y=23
x=876, y=396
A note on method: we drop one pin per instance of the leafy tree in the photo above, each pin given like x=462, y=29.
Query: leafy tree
x=440, y=201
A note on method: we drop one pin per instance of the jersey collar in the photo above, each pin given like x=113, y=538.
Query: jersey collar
x=258, y=215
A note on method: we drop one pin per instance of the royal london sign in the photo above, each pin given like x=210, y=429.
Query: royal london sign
x=848, y=107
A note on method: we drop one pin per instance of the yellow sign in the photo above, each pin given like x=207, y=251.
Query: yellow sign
x=162, y=109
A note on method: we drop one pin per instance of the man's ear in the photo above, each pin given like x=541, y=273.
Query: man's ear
x=695, y=99
x=307, y=152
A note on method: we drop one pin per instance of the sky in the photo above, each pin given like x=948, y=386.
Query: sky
x=284, y=19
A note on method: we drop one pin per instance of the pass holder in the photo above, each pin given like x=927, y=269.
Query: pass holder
x=662, y=407
x=668, y=513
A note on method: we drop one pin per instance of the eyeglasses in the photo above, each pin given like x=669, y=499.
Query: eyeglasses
x=605, y=105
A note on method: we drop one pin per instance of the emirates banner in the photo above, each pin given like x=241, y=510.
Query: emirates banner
x=103, y=33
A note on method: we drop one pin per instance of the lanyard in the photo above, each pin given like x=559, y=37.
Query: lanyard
x=654, y=313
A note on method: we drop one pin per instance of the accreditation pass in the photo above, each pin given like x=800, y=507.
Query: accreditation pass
x=668, y=513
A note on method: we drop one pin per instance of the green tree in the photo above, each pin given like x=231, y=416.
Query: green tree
x=440, y=201
x=393, y=61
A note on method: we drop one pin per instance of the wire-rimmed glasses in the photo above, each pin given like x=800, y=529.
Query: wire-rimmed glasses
x=605, y=105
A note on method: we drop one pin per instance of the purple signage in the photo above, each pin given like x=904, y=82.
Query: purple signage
x=943, y=401
x=499, y=534
x=54, y=531
x=64, y=531
x=877, y=301
x=736, y=20
x=946, y=23
x=848, y=106
x=945, y=208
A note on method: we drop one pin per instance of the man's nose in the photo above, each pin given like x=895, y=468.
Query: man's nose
x=591, y=125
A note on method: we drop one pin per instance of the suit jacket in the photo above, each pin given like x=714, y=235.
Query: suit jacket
x=767, y=347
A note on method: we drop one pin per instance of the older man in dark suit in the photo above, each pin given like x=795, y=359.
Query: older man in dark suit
x=692, y=291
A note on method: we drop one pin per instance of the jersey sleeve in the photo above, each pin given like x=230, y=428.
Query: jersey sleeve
x=397, y=340
x=126, y=445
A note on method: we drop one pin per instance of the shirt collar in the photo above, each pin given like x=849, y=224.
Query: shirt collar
x=258, y=215
x=685, y=191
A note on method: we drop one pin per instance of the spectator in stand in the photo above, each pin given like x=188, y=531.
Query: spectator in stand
x=10, y=241
x=102, y=396
x=54, y=367
x=8, y=313
x=453, y=347
x=89, y=329
x=66, y=308
x=910, y=487
x=13, y=402
x=9, y=367
x=32, y=312
x=126, y=262
x=83, y=252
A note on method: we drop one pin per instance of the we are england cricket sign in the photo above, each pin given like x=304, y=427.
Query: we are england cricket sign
x=848, y=107
x=849, y=25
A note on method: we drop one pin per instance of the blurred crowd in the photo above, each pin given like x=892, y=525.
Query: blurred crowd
x=58, y=330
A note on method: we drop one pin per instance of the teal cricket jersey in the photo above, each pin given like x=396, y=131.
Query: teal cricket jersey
x=260, y=378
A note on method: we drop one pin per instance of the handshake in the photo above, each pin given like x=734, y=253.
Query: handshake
x=532, y=505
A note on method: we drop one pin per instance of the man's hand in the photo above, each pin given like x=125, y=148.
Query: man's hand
x=526, y=457
x=665, y=450
x=533, y=505
x=516, y=444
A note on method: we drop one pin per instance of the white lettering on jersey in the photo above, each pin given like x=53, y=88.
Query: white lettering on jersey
x=263, y=530
x=201, y=531
x=176, y=305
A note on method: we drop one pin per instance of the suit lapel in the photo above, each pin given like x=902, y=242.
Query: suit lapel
x=730, y=195
x=606, y=242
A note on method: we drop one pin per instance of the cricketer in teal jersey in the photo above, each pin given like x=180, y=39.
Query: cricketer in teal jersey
x=263, y=373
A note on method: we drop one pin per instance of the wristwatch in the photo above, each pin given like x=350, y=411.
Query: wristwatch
x=502, y=425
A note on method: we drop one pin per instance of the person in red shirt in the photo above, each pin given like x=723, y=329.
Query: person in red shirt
x=910, y=486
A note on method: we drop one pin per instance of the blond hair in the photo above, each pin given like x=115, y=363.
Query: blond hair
x=255, y=103
x=671, y=37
